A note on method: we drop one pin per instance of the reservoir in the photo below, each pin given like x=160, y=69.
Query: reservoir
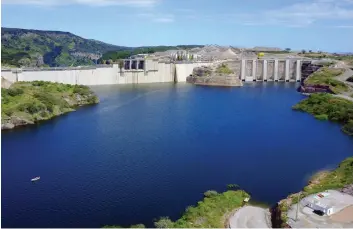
x=152, y=150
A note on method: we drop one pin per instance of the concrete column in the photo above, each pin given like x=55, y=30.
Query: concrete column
x=286, y=71
x=130, y=65
x=275, y=70
x=243, y=69
x=298, y=71
x=254, y=70
x=264, y=73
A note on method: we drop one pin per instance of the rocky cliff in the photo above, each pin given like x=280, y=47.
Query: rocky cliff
x=218, y=75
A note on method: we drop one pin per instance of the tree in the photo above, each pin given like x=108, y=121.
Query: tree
x=310, y=51
x=210, y=193
x=288, y=49
x=121, y=64
x=24, y=62
x=303, y=51
x=163, y=222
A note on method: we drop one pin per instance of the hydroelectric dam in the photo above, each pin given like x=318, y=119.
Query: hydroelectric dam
x=136, y=71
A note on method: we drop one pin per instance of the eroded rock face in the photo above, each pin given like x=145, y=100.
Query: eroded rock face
x=348, y=189
x=202, y=71
x=315, y=89
x=209, y=76
x=13, y=122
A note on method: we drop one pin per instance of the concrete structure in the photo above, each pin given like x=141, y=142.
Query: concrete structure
x=145, y=70
x=337, y=206
x=315, y=204
x=288, y=70
x=134, y=71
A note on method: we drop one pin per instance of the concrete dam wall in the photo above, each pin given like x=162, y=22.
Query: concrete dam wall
x=153, y=71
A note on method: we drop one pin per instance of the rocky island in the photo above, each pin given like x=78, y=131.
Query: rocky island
x=25, y=103
x=217, y=75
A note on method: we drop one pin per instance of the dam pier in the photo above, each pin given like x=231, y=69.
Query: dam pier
x=144, y=70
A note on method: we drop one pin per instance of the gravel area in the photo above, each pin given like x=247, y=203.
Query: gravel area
x=251, y=217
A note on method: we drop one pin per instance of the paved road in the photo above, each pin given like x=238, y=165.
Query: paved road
x=343, y=78
x=251, y=217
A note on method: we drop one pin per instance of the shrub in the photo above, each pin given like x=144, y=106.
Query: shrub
x=348, y=128
x=82, y=90
x=49, y=100
x=210, y=193
x=224, y=69
x=163, y=222
x=39, y=83
x=31, y=107
x=325, y=106
x=14, y=91
x=321, y=117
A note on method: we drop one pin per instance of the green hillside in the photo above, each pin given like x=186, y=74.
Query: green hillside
x=36, y=48
x=39, y=48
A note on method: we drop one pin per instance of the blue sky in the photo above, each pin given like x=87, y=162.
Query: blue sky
x=297, y=24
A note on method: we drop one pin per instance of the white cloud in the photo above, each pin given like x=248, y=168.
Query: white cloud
x=138, y=3
x=163, y=18
x=301, y=14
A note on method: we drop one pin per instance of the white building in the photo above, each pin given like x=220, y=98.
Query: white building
x=316, y=204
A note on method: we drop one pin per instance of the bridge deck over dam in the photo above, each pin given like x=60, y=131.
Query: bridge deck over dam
x=153, y=71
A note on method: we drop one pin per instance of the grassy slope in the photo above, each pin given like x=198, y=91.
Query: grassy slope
x=325, y=106
x=39, y=100
x=210, y=212
x=325, y=76
x=338, y=178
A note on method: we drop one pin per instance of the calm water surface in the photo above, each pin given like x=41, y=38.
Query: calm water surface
x=151, y=150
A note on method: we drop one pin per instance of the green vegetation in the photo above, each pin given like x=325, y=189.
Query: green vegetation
x=330, y=107
x=210, y=212
x=224, y=69
x=325, y=77
x=321, y=117
x=37, y=48
x=123, y=54
x=29, y=102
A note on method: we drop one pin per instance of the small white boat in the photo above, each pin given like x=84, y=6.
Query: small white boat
x=35, y=179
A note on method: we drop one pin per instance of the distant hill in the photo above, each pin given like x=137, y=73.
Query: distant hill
x=40, y=48
x=36, y=48
x=123, y=54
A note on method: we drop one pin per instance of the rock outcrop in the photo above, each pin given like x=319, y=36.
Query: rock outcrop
x=214, y=76
x=5, y=83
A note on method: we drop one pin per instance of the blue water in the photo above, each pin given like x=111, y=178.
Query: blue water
x=151, y=150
